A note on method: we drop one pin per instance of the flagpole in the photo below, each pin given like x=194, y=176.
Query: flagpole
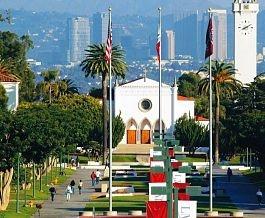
x=160, y=82
x=211, y=129
x=110, y=126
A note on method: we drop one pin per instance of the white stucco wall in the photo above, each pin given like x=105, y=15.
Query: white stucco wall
x=127, y=98
x=12, y=94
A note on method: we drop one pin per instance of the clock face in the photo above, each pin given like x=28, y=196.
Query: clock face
x=245, y=27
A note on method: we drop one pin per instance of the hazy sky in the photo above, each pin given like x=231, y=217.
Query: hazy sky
x=139, y=7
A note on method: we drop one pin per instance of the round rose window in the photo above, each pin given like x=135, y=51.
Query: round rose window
x=145, y=105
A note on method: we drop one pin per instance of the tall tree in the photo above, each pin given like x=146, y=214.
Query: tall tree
x=94, y=65
x=49, y=84
x=188, y=84
x=13, y=51
x=8, y=152
x=66, y=86
x=3, y=98
x=191, y=133
x=224, y=85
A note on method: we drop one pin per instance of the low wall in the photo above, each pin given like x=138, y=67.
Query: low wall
x=235, y=167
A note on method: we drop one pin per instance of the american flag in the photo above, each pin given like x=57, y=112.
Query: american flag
x=109, y=43
x=209, y=40
x=158, y=43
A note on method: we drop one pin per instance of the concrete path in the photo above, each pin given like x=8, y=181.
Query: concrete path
x=241, y=191
x=60, y=208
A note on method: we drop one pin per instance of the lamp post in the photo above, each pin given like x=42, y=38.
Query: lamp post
x=33, y=175
x=25, y=181
x=18, y=167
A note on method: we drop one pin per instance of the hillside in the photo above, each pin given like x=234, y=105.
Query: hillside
x=122, y=7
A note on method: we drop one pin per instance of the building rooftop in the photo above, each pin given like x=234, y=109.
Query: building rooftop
x=5, y=76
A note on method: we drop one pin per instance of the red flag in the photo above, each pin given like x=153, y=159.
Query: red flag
x=209, y=40
x=109, y=44
x=158, y=43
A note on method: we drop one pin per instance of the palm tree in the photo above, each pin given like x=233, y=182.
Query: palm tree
x=66, y=86
x=224, y=84
x=94, y=65
x=49, y=84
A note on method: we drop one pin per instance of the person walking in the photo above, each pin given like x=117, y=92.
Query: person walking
x=98, y=174
x=259, y=196
x=72, y=184
x=68, y=192
x=80, y=186
x=93, y=178
x=229, y=173
x=52, y=191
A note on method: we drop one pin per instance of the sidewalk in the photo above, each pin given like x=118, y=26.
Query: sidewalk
x=241, y=191
x=60, y=208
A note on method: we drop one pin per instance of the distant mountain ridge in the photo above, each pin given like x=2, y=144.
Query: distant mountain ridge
x=122, y=7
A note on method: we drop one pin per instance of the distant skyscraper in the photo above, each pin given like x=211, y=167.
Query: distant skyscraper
x=186, y=33
x=100, y=27
x=219, y=34
x=168, y=45
x=79, y=38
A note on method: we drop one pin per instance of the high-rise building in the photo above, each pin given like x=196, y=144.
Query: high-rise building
x=79, y=38
x=230, y=36
x=245, y=13
x=168, y=45
x=219, y=19
x=100, y=27
x=186, y=33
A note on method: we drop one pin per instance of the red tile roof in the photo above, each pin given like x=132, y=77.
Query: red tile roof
x=184, y=98
x=201, y=118
x=7, y=77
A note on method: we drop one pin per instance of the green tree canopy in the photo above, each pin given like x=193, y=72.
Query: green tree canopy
x=13, y=50
x=188, y=84
x=191, y=133
x=118, y=130
x=3, y=98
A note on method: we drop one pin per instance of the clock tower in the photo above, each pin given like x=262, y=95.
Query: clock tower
x=245, y=12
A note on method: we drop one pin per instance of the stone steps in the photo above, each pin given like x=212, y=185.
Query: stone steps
x=133, y=149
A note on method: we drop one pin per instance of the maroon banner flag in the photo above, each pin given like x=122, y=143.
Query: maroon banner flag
x=158, y=43
x=209, y=40
x=109, y=44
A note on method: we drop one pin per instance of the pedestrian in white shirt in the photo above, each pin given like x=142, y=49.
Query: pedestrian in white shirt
x=80, y=186
x=259, y=196
x=68, y=192
x=98, y=174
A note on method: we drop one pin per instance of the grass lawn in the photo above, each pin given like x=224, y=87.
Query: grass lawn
x=40, y=196
x=138, y=186
x=193, y=159
x=121, y=204
x=235, y=160
x=124, y=158
x=125, y=204
x=221, y=204
x=83, y=159
x=258, y=178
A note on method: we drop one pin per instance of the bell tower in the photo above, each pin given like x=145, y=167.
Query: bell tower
x=245, y=12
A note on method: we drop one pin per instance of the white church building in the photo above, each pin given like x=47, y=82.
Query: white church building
x=137, y=102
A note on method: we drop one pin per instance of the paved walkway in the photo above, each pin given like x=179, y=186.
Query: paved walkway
x=241, y=191
x=60, y=208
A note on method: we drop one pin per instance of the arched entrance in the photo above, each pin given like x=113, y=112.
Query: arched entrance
x=131, y=131
x=145, y=132
x=156, y=129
